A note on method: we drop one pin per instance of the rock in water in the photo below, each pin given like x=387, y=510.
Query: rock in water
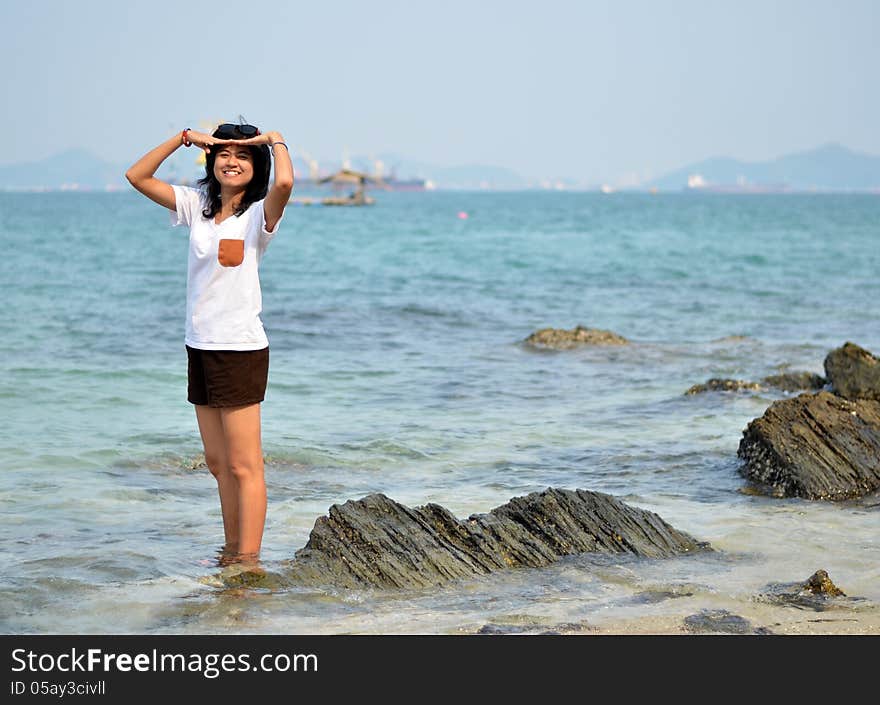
x=377, y=542
x=566, y=339
x=787, y=382
x=719, y=622
x=817, y=593
x=818, y=446
x=795, y=381
x=723, y=385
x=854, y=372
x=819, y=583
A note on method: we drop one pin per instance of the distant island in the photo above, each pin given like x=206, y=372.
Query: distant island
x=829, y=168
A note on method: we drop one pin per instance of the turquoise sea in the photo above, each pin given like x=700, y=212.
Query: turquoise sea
x=397, y=366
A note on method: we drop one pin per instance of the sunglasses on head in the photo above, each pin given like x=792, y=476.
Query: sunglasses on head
x=230, y=131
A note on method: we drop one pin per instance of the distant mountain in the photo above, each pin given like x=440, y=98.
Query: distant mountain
x=78, y=169
x=831, y=167
x=828, y=168
x=75, y=168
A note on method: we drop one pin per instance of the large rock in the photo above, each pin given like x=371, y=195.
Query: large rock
x=818, y=446
x=854, y=372
x=377, y=542
x=560, y=339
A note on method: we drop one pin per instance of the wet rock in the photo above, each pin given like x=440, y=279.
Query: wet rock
x=501, y=629
x=787, y=382
x=854, y=372
x=720, y=622
x=535, y=627
x=723, y=385
x=650, y=597
x=560, y=339
x=255, y=578
x=239, y=575
x=817, y=446
x=820, y=584
x=377, y=542
x=795, y=381
x=818, y=593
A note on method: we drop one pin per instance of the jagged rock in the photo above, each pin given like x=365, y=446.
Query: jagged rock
x=787, y=382
x=566, y=339
x=817, y=593
x=818, y=446
x=854, y=372
x=819, y=583
x=377, y=542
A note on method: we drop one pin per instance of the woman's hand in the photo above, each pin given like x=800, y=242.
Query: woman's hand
x=204, y=141
x=268, y=138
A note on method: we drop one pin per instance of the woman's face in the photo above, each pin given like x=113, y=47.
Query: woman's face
x=233, y=166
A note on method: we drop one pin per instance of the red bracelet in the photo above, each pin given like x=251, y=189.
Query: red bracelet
x=184, y=140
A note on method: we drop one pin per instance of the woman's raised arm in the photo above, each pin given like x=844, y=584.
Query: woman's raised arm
x=282, y=187
x=141, y=173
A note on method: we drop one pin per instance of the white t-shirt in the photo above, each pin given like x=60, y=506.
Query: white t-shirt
x=223, y=303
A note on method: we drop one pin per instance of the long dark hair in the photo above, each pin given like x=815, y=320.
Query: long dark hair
x=256, y=189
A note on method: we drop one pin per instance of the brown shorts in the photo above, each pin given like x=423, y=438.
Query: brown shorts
x=227, y=377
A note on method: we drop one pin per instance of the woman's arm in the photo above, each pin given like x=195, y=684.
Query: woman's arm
x=279, y=192
x=141, y=173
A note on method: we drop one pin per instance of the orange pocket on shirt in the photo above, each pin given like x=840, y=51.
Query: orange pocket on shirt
x=231, y=252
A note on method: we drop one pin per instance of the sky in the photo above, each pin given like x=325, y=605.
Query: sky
x=618, y=91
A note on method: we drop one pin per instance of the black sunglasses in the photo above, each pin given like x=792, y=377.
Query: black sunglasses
x=230, y=131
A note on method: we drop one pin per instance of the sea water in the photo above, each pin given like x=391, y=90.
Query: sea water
x=397, y=366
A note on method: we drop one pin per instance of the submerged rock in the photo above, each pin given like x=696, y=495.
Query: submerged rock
x=818, y=446
x=377, y=542
x=817, y=593
x=854, y=372
x=649, y=597
x=723, y=385
x=787, y=382
x=560, y=339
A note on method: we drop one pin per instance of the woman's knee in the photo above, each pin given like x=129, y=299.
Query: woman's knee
x=246, y=468
x=217, y=464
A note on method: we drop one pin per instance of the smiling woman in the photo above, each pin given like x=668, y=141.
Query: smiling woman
x=231, y=218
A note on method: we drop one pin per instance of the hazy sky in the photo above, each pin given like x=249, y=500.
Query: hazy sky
x=592, y=90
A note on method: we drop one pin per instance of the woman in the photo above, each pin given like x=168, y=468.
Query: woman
x=231, y=218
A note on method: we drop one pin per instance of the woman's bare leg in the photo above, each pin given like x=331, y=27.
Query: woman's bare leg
x=214, y=441
x=244, y=455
